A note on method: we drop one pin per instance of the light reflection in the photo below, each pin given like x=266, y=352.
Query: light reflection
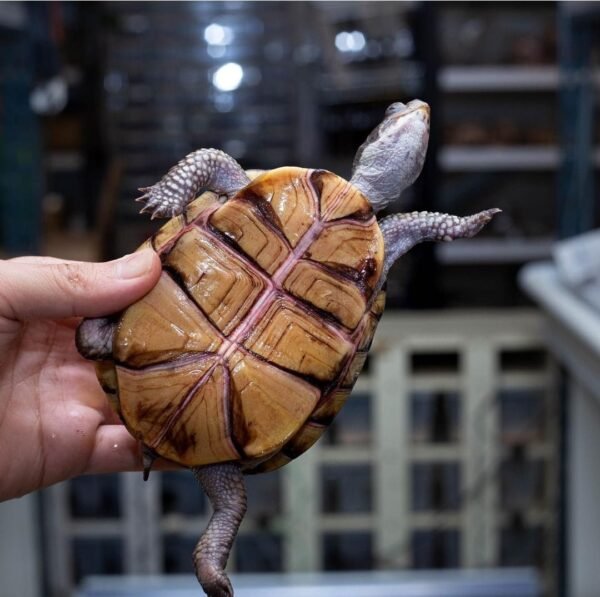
x=216, y=51
x=218, y=35
x=228, y=77
x=350, y=41
x=224, y=102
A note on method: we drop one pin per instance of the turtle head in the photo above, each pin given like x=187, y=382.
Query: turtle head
x=392, y=156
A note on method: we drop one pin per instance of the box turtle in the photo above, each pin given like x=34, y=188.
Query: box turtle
x=272, y=286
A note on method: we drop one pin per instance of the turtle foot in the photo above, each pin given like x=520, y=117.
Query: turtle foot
x=94, y=338
x=159, y=201
x=214, y=581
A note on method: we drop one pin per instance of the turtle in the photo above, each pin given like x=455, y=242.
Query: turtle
x=272, y=285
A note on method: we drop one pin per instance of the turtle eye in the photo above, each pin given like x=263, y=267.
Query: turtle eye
x=395, y=108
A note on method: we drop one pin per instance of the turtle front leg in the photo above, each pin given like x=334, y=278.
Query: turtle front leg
x=199, y=171
x=225, y=488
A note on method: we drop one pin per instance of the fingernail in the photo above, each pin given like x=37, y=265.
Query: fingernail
x=133, y=266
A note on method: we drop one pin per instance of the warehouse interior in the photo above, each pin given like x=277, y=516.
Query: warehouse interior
x=466, y=458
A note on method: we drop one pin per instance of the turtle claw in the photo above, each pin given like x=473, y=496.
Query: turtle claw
x=155, y=202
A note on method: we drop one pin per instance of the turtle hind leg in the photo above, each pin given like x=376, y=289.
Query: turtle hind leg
x=401, y=232
x=225, y=488
x=94, y=338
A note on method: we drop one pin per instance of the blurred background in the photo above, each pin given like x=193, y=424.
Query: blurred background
x=470, y=440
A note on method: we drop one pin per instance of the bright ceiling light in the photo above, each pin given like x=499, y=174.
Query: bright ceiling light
x=218, y=35
x=350, y=41
x=228, y=77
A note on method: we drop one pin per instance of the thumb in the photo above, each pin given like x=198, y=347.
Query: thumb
x=55, y=289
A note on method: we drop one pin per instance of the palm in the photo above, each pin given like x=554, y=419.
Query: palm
x=55, y=421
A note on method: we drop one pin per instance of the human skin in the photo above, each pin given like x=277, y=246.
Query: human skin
x=55, y=422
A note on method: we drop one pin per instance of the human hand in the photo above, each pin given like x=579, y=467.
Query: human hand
x=55, y=421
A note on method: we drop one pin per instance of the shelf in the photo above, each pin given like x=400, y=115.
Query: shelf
x=498, y=78
x=476, y=158
x=480, y=79
x=487, y=251
x=491, y=157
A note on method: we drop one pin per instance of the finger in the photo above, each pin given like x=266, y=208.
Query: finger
x=115, y=450
x=35, y=259
x=57, y=289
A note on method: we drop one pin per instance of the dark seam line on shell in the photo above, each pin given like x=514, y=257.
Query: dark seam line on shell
x=183, y=404
x=302, y=245
x=373, y=299
x=326, y=421
x=335, y=273
x=357, y=216
x=315, y=192
x=183, y=358
x=168, y=246
x=208, y=209
x=280, y=293
x=308, y=190
x=360, y=224
x=348, y=188
x=249, y=264
x=287, y=450
x=176, y=276
x=309, y=308
x=229, y=409
x=319, y=312
x=343, y=189
x=233, y=247
x=266, y=220
x=360, y=329
x=332, y=266
x=344, y=370
x=309, y=379
x=316, y=203
x=174, y=237
x=344, y=272
x=269, y=217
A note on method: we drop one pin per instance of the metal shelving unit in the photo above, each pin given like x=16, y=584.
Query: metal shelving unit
x=496, y=82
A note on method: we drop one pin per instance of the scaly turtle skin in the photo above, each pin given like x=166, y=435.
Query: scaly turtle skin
x=250, y=343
